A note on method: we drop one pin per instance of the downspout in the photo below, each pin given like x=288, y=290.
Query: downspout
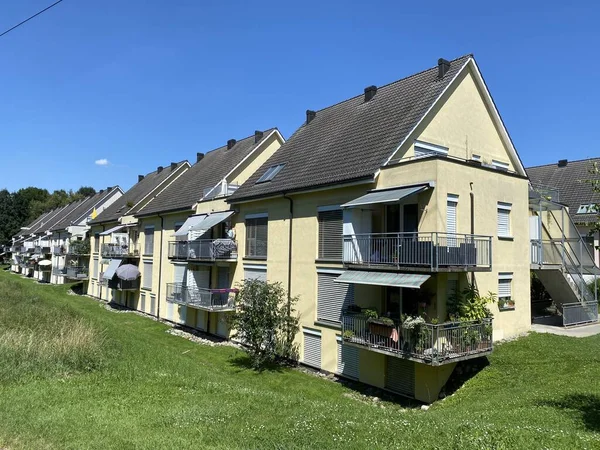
x=99, y=258
x=472, y=198
x=160, y=256
x=290, y=240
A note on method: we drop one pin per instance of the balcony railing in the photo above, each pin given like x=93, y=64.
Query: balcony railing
x=59, y=271
x=77, y=273
x=420, y=251
x=101, y=280
x=124, y=285
x=428, y=343
x=120, y=250
x=206, y=299
x=41, y=249
x=203, y=249
x=29, y=250
x=59, y=250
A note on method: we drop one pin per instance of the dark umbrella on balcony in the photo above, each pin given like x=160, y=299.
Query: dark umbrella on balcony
x=128, y=272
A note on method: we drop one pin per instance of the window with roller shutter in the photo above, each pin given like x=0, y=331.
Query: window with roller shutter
x=504, y=219
x=348, y=362
x=505, y=300
x=331, y=234
x=256, y=237
x=332, y=297
x=312, y=348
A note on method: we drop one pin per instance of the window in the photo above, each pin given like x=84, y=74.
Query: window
x=505, y=300
x=255, y=273
x=312, y=348
x=451, y=206
x=148, y=240
x=96, y=242
x=499, y=165
x=475, y=157
x=332, y=297
x=451, y=289
x=587, y=209
x=95, y=268
x=256, y=236
x=331, y=240
x=270, y=173
x=504, y=219
x=424, y=149
x=147, y=275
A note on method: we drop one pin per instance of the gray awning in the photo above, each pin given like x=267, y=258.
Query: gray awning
x=112, y=230
x=112, y=268
x=189, y=225
x=211, y=220
x=407, y=280
x=386, y=195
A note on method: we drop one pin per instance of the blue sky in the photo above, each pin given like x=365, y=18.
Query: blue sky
x=143, y=83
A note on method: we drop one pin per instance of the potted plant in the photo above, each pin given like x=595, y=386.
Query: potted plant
x=411, y=330
x=348, y=335
x=381, y=326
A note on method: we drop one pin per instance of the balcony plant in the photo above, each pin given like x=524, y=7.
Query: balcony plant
x=348, y=335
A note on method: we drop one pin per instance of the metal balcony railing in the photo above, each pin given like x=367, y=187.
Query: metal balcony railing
x=77, y=273
x=120, y=250
x=206, y=299
x=203, y=249
x=59, y=250
x=29, y=250
x=124, y=285
x=101, y=280
x=59, y=271
x=431, y=251
x=426, y=343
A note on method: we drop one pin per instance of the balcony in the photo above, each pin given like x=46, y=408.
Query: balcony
x=101, y=280
x=59, y=250
x=41, y=250
x=59, y=271
x=420, y=251
x=427, y=343
x=213, y=300
x=120, y=251
x=204, y=250
x=77, y=273
x=123, y=285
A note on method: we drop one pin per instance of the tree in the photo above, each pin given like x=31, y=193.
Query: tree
x=266, y=323
x=594, y=181
x=86, y=191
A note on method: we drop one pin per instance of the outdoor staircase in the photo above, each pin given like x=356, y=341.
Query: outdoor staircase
x=562, y=263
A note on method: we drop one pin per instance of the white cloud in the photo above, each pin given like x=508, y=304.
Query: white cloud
x=101, y=162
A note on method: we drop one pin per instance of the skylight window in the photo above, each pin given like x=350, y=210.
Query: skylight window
x=270, y=173
x=586, y=209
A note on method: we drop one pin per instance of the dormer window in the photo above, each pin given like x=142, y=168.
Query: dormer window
x=271, y=173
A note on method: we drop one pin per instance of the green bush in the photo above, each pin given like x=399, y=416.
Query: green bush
x=265, y=322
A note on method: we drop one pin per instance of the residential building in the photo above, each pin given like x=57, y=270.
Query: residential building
x=189, y=250
x=393, y=201
x=114, y=236
x=70, y=239
x=564, y=250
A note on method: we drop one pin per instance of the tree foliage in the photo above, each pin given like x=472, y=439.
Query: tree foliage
x=19, y=208
x=266, y=322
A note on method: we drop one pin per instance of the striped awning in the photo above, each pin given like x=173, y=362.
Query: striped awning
x=406, y=280
x=386, y=195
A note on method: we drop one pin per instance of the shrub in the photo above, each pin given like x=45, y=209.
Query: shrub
x=265, y=322
x=470, y=305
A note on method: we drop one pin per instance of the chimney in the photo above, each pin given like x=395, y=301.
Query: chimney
x=310, y=115
x=443, y=67
x=140, y=178
x=173, y=166
x=159, y=169
x=230, y=144
x=258, y=135
x=370, y=92
x=199, y=157
x=563, y=162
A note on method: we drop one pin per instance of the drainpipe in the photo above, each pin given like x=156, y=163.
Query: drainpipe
x=290, y=236
x=99, y=259
x=472, y=198
x=160, y=256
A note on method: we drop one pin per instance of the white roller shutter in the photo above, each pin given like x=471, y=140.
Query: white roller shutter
x=504, y=219
x=331, y=234
x=312, y=348
x=400, y=376
x=348, y=362
x=451, y=206
x=504, y=285
x=332, y=298
x=143, y=302
x=255, y=273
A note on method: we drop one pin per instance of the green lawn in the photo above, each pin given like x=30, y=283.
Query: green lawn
x=74, y=375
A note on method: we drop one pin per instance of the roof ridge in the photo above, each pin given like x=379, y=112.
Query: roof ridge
x=470, y=55
x=242, y=139
x=568, y=162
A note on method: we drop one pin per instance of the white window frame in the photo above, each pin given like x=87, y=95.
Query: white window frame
x=428, y=149
x=146, y=232
x=500, y=165
x=503, y=277
x=503, y=208
x=145, y=284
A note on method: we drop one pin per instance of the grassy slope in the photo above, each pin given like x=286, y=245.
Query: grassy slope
x=148, y=389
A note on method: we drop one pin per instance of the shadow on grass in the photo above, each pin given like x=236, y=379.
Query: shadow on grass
x=243, y=362
x=463, y=372
x=587, y=405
